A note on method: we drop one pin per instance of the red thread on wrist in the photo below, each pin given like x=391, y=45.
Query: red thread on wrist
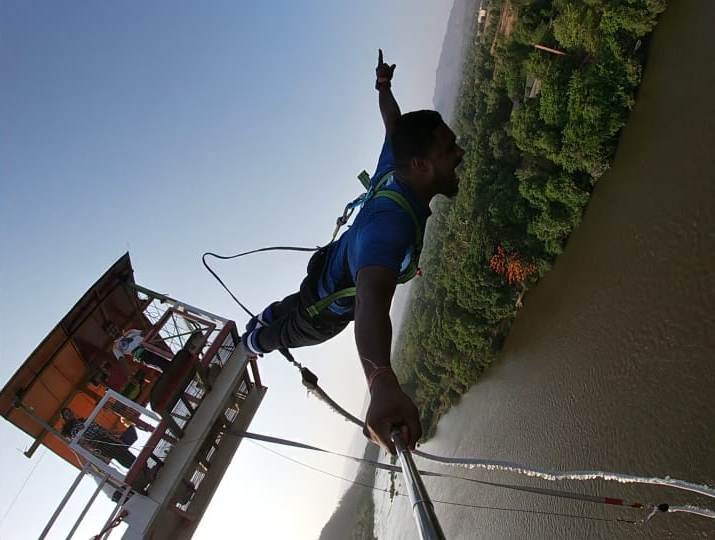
x=375, y=374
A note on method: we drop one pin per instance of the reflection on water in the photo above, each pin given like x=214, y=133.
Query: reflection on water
x=609, y=364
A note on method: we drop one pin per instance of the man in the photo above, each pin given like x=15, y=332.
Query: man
x=128, y=346
x=95, y=437
x=417, y=162
x=110, y=446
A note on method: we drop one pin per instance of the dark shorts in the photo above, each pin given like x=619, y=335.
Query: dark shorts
x=292, y=326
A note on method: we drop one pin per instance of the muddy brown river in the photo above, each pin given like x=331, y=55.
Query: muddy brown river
x=610, y=364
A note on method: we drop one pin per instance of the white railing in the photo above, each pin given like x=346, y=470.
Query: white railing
x=94, y=465
x=75, y=442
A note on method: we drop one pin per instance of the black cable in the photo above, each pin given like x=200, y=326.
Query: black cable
x=305, y=373
x=448, y=503
x=260, y=250
x=537, y=491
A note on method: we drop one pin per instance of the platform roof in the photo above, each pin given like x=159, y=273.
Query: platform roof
x=58, y=372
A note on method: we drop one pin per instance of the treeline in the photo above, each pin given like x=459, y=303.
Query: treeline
x=538, y=129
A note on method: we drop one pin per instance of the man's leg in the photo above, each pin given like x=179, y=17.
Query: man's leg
x=288, y=324
x=277, y=310
x=299, y=329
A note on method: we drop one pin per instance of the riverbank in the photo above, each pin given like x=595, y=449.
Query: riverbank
x=609, y=363
x=539, y=130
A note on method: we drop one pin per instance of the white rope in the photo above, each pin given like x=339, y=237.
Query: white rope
x=505, y=466
x=555, y=476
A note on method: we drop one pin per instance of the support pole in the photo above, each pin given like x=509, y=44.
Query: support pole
x=106, y=530
x=66, y=498
x=427, y=522
x=100, y=485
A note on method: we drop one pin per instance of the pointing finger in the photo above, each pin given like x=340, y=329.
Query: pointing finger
x=379, y=57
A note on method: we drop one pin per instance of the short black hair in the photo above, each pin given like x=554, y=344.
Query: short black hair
x=413, y=135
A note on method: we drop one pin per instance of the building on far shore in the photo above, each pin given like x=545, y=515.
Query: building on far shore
x=532, y=88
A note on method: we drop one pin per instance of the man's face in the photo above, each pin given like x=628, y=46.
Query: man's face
x=445, y=156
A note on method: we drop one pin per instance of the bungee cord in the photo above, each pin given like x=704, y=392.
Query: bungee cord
x=555, y=476
x=655, y=508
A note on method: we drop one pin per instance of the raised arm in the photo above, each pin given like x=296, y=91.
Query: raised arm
x=389, y=108
x=389, y=406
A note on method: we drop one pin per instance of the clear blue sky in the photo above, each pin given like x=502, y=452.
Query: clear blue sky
x=172, y=128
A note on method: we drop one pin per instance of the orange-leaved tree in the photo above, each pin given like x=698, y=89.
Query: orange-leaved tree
x=511, y=266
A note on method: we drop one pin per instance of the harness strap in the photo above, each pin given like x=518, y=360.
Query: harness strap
x=364, y=178
x=320, y=305
x=370, y=192
x=405, y=276
x=411, y=270
x=383, y=180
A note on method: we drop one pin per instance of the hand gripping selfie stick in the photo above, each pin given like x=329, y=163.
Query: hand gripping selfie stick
x=422, y=507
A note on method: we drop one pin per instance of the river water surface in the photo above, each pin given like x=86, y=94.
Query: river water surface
x=610, y=364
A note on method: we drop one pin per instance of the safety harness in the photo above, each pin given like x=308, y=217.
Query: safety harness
x=373, y=191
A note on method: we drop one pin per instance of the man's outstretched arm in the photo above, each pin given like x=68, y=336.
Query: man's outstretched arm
x=389, y=406
x=389, y=108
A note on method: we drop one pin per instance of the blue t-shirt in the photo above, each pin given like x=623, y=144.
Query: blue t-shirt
x=383, y=234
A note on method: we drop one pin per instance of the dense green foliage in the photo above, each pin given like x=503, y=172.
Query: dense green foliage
x=531, y=161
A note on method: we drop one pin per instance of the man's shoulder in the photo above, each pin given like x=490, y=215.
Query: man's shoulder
x=385, y=222
x=381, y=177
x=383, y=208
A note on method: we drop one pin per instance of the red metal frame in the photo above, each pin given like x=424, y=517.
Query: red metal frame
x=162, y=427
x=213, y=349
x=254, y=371
x=143, y=456
x=154, y=331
